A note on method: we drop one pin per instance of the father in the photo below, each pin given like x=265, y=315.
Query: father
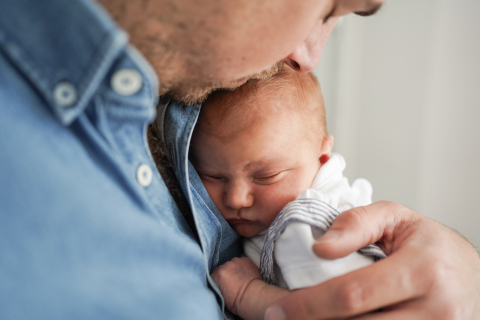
x=88, y=228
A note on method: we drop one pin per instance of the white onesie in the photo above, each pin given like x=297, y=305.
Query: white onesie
x=284, y=251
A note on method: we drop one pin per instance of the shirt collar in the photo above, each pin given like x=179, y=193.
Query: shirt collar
x=64, y=48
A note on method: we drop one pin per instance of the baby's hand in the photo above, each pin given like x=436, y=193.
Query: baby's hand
x=233, y=279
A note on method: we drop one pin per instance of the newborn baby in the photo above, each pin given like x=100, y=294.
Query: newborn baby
x=264, y=156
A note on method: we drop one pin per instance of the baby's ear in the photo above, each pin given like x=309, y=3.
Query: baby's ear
x=326, y=151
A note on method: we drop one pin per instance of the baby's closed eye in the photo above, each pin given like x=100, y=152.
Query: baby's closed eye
x=269, y=178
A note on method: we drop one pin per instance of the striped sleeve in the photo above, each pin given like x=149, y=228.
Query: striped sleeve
x=310, y=211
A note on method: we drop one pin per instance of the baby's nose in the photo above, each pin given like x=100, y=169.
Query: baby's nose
x=238, y=195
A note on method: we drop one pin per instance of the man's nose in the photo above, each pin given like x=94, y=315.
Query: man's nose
x=238, y=195
x=305, y=56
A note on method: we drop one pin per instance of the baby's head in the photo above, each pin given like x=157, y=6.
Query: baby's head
x=258, y=147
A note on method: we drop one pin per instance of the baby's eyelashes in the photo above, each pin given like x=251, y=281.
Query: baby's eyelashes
x=211, y=178
x=262, y=179
x=268, y=179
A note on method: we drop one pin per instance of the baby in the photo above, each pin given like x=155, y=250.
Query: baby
x=264, y=156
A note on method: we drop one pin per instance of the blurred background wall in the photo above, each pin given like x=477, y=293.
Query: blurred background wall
x=402, y=91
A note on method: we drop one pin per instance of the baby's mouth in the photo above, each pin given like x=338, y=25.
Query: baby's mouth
x=238, y=221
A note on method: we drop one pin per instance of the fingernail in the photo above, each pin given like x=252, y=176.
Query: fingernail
x=329, y=236
x=275, y=313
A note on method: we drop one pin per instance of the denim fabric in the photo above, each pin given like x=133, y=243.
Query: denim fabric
x=80, y=238
x=219, y=241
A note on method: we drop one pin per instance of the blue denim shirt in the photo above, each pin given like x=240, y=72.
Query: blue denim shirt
x=82, y=235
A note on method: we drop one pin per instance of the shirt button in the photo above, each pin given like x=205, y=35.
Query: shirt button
x=144, y=175
x=126, y=82
x=64, y=94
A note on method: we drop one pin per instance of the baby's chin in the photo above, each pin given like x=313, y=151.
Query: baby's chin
x=248, y=230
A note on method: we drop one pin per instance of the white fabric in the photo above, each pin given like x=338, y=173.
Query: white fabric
x=296, y=264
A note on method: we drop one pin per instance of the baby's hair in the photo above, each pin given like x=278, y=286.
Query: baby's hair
x=301, y=91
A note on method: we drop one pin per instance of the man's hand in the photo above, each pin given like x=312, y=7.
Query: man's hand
x=431, y=272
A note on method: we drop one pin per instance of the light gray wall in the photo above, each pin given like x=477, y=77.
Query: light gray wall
x=402, y=90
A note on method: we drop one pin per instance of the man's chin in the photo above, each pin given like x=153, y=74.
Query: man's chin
x=190, y=97
x=195, y=95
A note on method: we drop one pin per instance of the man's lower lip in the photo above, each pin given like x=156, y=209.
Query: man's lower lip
x=236, y=84
x=242, y=82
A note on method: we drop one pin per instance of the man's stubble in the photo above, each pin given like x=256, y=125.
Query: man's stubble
x=198, y=91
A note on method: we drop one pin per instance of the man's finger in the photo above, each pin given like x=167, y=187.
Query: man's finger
x=410, y=310
x=403, y=314
x=357, y=292
x=358, y=227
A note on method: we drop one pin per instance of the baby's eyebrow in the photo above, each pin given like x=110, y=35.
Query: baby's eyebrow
x=276, y=161
x=255, y=164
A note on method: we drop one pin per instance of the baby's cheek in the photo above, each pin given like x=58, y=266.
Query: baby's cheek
x=274, y=202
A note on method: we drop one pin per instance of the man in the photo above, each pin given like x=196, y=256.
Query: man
x=88, y=228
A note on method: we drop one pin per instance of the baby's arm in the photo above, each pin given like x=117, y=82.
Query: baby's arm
x=244, y=291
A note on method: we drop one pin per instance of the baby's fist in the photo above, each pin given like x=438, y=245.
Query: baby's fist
x=233, y=279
